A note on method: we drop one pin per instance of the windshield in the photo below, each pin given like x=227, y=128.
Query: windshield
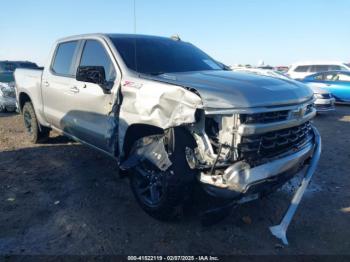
x=157, y=55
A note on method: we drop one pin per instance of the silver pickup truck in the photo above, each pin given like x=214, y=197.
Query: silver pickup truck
x=172, y=116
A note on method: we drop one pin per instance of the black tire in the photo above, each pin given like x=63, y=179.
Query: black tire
x=31, y=124
x=174, y=185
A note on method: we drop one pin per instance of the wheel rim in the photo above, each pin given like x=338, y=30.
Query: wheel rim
x=28, y=122
x=149, y=185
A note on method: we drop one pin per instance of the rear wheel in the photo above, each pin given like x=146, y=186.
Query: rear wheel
x=34, y=133
x=162, y=194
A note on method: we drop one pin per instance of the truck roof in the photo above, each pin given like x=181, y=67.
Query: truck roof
x=109, y=35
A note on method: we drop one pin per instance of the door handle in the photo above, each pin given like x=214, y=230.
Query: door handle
x=46, y=84
x=74, y=89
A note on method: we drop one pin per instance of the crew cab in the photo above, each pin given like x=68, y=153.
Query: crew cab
x=172, y=116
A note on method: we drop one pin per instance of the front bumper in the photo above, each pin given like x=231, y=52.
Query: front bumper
x=325, y=105
x=239, y=180
x=8, y=102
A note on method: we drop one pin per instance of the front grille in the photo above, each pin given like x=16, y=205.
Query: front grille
x=270, y=117
x=255, y=148
x=266, y=117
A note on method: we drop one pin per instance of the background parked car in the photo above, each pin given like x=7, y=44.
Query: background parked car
x=7, y=97
x=282, y=69
x=335, y=82
x=7, y=84
x=324, y=100
x=301, y=70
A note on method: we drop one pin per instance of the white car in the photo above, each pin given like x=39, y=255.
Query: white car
x=301, y=70
x=324, y=100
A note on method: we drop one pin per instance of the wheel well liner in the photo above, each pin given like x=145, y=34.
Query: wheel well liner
x=137, y=131
x=23, y=98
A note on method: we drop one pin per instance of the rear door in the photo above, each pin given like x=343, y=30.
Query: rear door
x=90, y=116
x=57, y=84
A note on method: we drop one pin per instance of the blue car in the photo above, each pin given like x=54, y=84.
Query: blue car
x=335, y=82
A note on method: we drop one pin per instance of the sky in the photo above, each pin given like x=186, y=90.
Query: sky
x=279, y=32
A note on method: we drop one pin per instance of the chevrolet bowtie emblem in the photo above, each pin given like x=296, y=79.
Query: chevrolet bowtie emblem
x=300, y=112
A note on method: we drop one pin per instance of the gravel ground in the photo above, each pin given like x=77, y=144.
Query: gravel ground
x=64, y=198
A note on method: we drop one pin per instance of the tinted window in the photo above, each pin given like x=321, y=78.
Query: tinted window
x=319, y=68
x=11, y=66
x=94, y=54
x=7, y=67
x=26, y=65
x=64, y=59
x=157, y=55
x=335, y=67
x=302, y=69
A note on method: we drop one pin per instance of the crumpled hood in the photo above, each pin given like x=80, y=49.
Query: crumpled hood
x=227, y=89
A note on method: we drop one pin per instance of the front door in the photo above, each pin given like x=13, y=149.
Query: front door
x=90, y=115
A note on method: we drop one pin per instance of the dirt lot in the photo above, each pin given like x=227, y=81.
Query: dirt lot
x=64, y=198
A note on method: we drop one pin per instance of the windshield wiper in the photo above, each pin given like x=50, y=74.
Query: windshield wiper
x=157, y=73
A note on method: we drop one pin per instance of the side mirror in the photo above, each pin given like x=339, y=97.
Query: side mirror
x=91, y=74
x=96, y=75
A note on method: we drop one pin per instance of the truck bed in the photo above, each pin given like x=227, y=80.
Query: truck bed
x=28, y=81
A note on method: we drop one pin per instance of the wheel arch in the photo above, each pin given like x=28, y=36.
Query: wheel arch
x=22, y=99
x=135, y=132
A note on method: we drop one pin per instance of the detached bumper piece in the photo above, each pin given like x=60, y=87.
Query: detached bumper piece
x=280, y=230
x=242, y=182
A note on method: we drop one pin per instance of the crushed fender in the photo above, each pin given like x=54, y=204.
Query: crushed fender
x=150, y=148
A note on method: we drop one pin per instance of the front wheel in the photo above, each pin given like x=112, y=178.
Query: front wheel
x=34, y=133
x=162, y=194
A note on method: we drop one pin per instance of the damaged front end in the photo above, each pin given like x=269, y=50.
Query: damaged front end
x=245, y=155
x=251, y=153
x=238, y=154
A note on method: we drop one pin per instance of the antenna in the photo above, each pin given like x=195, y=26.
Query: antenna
x=135, y=45
x=134, y=16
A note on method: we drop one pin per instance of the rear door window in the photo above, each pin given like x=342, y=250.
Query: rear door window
x=94, y=54
x=65, y=58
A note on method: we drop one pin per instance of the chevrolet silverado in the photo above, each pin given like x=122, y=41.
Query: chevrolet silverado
x=172, y=116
